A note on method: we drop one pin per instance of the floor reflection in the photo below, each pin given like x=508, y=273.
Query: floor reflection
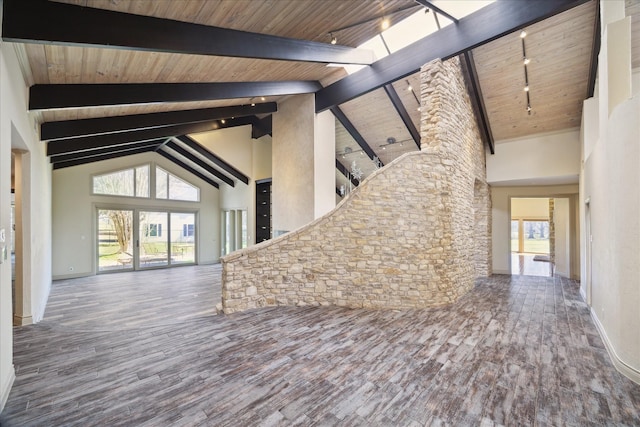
x=524, y=264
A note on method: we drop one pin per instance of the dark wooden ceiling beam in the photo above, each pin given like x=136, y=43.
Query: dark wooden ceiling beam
x=88, y=127
x=113, y=155
x=344, y=120
x=198, y=161
x=195, y=146
x=57, y=96
x=102, y=151
x=430, y=5
x=478, y=28
x=122, y=138
x=188, y=168
x=477, y=100
x=262, y=127
x=402, y=111
x=47, y=22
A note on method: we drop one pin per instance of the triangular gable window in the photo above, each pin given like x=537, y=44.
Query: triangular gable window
x=169, y=186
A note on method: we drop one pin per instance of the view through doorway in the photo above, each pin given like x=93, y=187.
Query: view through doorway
x=531, y=236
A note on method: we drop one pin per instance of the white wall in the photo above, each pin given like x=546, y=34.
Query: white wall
x=324, y=147
x=74, y=220
x=611, y=179
x=561, y=214
x=17, y=129
x=530, y=208
x=501, y=218
x=538, y=159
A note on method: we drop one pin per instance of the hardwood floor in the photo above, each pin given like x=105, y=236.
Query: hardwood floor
x=146, y=349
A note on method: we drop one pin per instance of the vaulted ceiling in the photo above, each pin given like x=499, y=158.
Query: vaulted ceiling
x=117, y=77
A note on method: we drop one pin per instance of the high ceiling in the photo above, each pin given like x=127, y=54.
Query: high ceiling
x=560, y=48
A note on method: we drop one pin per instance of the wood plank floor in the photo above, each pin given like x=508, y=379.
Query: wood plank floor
x=145, y=349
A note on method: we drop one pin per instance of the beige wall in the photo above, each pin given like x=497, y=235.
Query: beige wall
x=251, y=157
x=530, y=208
x=542, y=159
x=17, y=130
x=501, y=216
x=74, y=218
x=293, y=163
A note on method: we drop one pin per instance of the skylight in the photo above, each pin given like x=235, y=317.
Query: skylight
x=416, y=27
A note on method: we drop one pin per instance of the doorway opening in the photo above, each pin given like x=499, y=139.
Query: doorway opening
x=532, y=237
x=135, y=239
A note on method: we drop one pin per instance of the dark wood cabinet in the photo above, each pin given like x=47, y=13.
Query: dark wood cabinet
x=263, y=210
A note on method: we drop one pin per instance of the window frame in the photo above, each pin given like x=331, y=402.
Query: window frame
x=133, y=168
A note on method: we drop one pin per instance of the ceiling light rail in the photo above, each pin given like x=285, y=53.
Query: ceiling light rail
x=525, y=62
x=385, y=19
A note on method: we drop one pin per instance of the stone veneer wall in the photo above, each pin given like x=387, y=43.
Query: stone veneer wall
x=414, y=234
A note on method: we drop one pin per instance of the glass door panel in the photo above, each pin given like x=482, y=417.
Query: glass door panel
x=183, y=242
x=115, y=245
x=153, y=239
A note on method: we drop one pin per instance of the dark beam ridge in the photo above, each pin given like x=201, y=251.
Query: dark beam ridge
x=188, y=168
x=477, y=101
x=56, y=96
x=102, y=151
x=113, y=139
x=199, y=162
x=184, y=139
x=47, y=22
x=96, y=126
x=481, y=27
x=84, y=160
x=342, y=118
x=402, y=111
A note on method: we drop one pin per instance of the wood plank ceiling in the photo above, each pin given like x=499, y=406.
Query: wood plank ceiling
x=560, y=48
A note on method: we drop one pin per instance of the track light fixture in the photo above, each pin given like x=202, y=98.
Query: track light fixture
x=385, y=23
x=334, y=40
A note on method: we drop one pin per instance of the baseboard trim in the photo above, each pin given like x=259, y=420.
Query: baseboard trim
x=583, y=294
x=6, y=389
x=507, y=272
x=622, y=367
x=22, y=320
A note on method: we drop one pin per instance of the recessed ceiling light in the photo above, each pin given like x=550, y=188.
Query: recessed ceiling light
x=526, y=61
x=385, y=24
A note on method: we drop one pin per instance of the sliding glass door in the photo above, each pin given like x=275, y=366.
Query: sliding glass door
x=139, y=239
x=115, y=240
x=153, y=239
x=183, y=238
